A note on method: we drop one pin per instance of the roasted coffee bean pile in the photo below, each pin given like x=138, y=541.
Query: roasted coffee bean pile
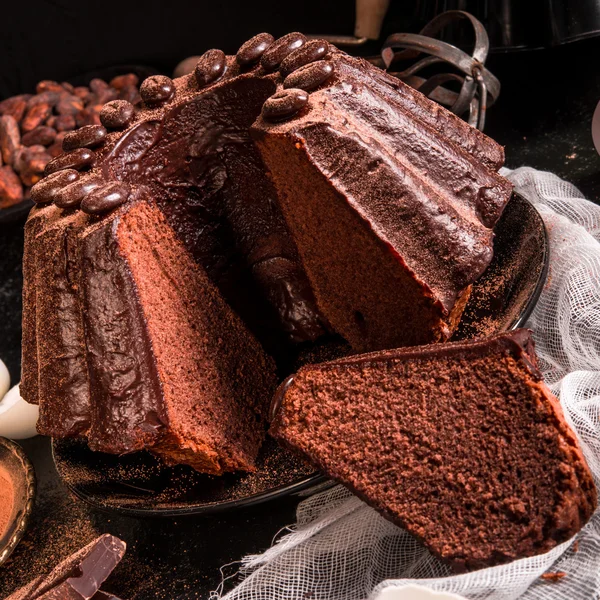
x=35, y=128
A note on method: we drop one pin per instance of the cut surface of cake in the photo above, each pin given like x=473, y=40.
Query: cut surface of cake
x=296, y=194
x=462, y=444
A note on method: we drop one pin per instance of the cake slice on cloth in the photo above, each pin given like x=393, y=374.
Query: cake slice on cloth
x=462, y=444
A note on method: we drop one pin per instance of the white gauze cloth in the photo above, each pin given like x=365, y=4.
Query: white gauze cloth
x=341, y=549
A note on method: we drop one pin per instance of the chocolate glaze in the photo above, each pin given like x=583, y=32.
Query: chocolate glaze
x=61, y=348
x=209, y=180
x=128, y=413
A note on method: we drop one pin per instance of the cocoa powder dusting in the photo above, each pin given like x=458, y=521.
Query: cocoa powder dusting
x=7, y=493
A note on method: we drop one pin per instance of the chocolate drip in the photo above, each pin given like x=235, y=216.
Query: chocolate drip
x=127, y=409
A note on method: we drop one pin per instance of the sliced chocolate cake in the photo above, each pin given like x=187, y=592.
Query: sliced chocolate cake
x=461, y=444
x=395, y=221
x=367, y=214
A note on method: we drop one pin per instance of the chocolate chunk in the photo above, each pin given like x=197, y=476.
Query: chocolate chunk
x=79, y=576
x=312, y=51
x=71, y=195
x=79, y=159
x=117, y=114
x=105, y=198
x=281, y=48
x=157, y=89
x=251, y=51
x=46, y=190
x=85, y=137
x=43, y=135
x=310, y=77
x=210, y=67
x=284, y=104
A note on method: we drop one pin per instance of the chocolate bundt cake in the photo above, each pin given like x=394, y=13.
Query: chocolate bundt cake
x=461, y=444
x=269, y=198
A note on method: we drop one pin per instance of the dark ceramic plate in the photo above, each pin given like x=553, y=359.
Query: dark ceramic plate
x=16, y=466
x=138, y=484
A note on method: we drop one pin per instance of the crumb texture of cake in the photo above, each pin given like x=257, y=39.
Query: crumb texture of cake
x=461, y=444
x=216, y=397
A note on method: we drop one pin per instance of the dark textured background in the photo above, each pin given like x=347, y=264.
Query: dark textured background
x=543, y=117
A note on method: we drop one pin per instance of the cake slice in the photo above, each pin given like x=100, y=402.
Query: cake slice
x=392, y=215
x=172, y=368
x=462, y=444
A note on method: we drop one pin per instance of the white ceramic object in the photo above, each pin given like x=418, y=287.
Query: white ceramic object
x=596, y=128
x=17, y=417
x=416, y=592
x=4, y=380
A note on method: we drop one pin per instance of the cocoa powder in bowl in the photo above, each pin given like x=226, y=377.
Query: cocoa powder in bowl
x=7, y=498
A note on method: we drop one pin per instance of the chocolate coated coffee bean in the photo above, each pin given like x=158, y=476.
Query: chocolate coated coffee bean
x=281, y=48
x=284, y=104
x=311, y=76
x=84, y=137
x=311, y=51
x=79, y=159
x=157, y=89
x=46, y=190
x=210, y=67
x=105, y=198
x=71, y=195
x=253, y=49
x=117, y=114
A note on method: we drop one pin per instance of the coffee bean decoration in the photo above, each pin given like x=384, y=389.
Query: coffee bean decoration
x=281, y=48
x=46, y=190
x=79, y=159
x=284, y=104
x=88, y=136
x=210, y=66
x=312, y=51
x=310, y=76
x=117, y=114
x=157, y=89
x=105, y=198
x=251, y=51
x=71, y=195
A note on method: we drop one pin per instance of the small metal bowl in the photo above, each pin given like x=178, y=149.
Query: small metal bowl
x=19, y=468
